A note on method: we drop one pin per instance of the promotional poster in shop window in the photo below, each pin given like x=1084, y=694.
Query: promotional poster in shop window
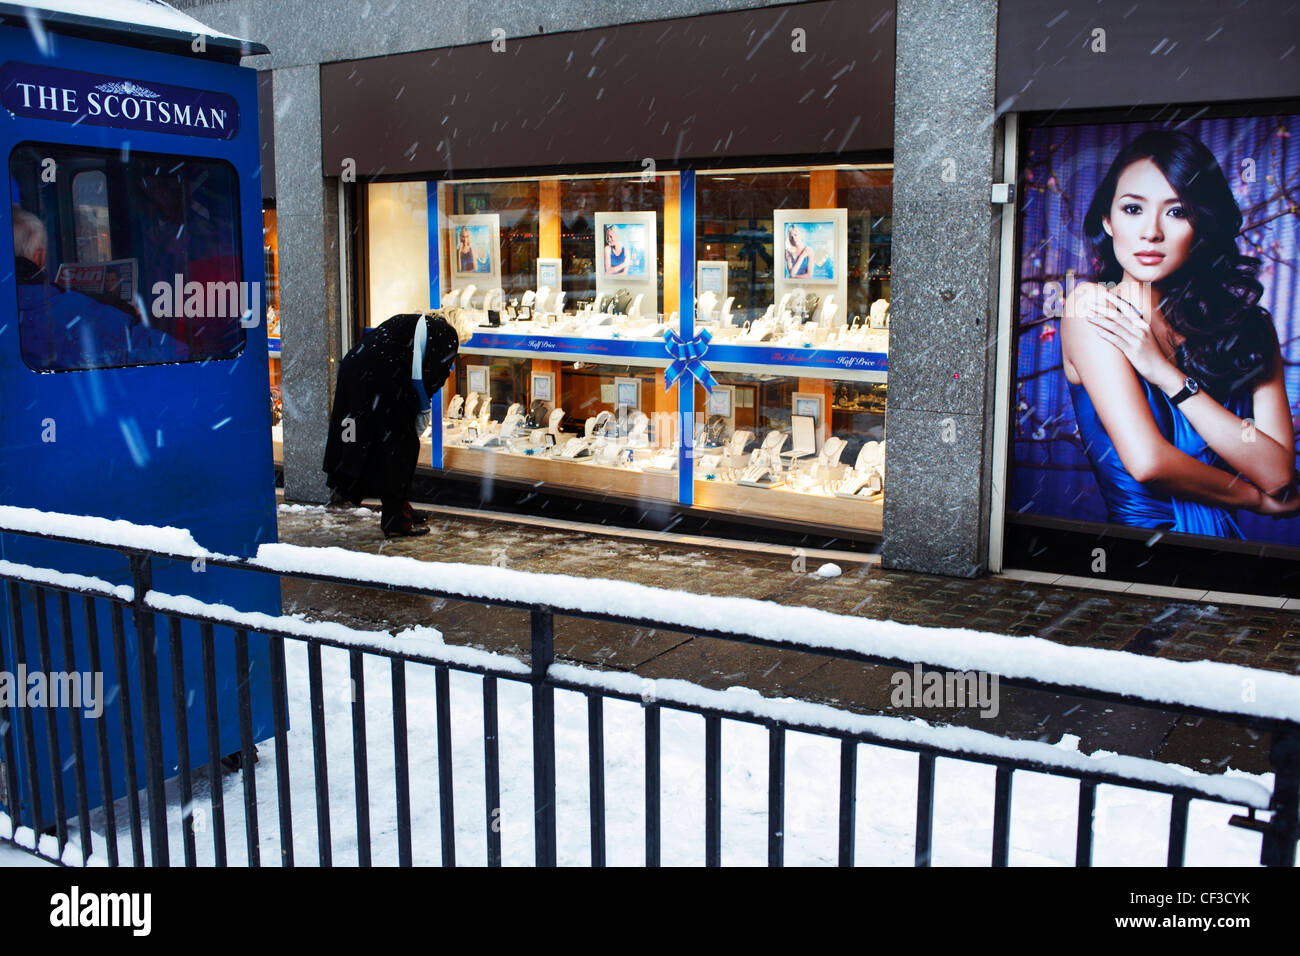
x=1158, y=269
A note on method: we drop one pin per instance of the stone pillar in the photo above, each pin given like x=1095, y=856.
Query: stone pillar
x=939, y=416
x=307, y=212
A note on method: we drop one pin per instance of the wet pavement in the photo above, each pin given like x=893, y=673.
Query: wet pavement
x=1162, y=627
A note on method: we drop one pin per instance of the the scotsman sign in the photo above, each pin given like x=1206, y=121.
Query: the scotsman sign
x=71, y=96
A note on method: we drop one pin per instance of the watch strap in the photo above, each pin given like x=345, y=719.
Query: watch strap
x=1190, y=388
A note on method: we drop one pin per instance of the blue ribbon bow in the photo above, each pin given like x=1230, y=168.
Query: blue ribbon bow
x=687, y=357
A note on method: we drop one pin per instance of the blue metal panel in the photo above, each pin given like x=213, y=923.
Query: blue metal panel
x=182, y=444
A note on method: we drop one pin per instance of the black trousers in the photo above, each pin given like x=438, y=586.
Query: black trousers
x=394, y=513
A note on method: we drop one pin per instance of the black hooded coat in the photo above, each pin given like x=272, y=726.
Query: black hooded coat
x=373, y=446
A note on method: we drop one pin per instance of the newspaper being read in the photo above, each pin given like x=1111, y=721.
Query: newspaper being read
x=116, y=277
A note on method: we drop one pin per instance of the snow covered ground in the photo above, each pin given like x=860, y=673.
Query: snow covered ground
x=1131, y=826
x=11, y=856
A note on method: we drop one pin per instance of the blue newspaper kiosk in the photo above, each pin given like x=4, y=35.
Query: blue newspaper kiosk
x=133, y=167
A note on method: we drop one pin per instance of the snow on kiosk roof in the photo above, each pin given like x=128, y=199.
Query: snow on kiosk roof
x=150, y=24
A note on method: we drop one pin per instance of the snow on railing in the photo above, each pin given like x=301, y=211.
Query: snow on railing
x=1208, y=685
x=425, y=645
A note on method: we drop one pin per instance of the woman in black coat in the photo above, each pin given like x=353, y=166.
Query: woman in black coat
x=381, y=407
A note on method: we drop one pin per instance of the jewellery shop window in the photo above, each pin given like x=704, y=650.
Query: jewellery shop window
x=596, y=426
x=781, y=445
x=565, y=283
x=795, y=258
x=585, y=257
x=792, y=280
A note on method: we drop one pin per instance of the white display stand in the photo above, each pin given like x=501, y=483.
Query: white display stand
x=803, y=429
x=643, y=259
x=711, y=276
x=542, y=386
x=811, y=405
x=721, y=401
x=825, y=232
x=477, y=378
x=550, y=275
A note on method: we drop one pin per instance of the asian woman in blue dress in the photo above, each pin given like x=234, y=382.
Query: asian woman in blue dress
x=1173, y=366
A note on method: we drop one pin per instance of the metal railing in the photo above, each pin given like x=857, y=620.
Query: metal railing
x=795, y=629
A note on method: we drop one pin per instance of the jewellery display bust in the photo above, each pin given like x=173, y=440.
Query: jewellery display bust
x=867, y=477
x=636, y=436
x=537, y=413
x=471, y=405
x=764, y=470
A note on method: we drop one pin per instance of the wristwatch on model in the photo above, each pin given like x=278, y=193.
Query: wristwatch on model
x=1190, y=387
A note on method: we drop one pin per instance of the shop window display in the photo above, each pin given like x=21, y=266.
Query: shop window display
x=609, y=427
x=761, y=438
x=573, y=376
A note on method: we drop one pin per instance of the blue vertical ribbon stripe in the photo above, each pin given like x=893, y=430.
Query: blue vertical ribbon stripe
x=687, y=338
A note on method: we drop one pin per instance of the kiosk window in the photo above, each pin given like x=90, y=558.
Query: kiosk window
x=124, y=258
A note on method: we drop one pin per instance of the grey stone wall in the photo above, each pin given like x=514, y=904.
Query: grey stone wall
x=939, y=419
x=301, y=32
x=307, y=219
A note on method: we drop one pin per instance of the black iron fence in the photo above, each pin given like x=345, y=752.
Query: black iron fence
x=169, y=791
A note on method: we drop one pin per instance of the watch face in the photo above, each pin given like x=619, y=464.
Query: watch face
x=1192, y=385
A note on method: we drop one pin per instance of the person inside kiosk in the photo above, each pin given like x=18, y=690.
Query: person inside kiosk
x=68, y=329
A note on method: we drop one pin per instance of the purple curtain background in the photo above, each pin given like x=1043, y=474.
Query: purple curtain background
x=1050, y=473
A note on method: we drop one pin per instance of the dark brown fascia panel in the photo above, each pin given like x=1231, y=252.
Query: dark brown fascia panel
x=697, y=88
x=1157, y=52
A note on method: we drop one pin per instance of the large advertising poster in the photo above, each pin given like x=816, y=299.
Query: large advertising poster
x=1157, y=343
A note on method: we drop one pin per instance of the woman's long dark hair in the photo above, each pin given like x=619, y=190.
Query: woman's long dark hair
x=1213, y=300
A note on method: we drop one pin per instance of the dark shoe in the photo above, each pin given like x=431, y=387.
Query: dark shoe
x=416, y=515
x=234, y=762
x=405, y=530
